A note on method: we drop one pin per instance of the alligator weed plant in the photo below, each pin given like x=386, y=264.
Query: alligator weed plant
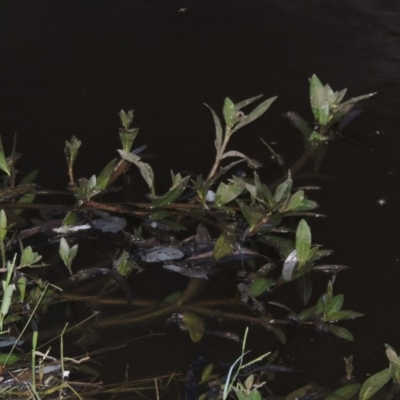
x=203, y=227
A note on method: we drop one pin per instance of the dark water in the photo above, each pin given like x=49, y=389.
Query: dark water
x=67, y=68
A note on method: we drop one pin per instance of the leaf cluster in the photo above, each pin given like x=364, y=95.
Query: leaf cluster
x=257, y=227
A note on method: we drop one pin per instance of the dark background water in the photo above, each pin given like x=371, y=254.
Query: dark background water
x=68, y=67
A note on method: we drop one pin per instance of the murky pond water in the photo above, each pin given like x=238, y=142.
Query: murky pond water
x=68, y=67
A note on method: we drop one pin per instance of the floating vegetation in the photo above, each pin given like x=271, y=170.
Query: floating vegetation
x=241, y=226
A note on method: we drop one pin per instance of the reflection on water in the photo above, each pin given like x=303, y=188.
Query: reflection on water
x=68, y=68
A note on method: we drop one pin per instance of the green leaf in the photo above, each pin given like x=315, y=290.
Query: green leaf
x=25, y=199
x=3, y=225
x=344, y=393
x=357, y=99
x=218, y=129
x=303, y=242
x=249, y=382
x=234, y=153
x=306, y=205
x=240, y=395
x=340, y=112
x=260, y=285
x=173, y=298
x=282, y=192
x=394, y=363
x=319, y=96
x=313, y=252
x=229, y=111
x=374, y=383
x=145, y=170
x=92, y=187
x=226, y=193
x=160, y=214
x=73, y=252
x=284, y=245
x=7, y=296
x=253, y=215
x=256, y=113
x=171, y=195
x=263, y=193
x=71, y=219
x=246, y=102
x=21, y=284
x=300, y=393
x=225, y=244
x=87, y=188
x=296, y=201
x=336, y=304
x=341, y=332
x=127, y=138
x=194, y=324
x=92, y=184
x=341, y=315
x=316, y=141
x=339, y=97
x=321, y=253
x=20, y=190
x=320, y=306
x=279, y=334
x=331, y=96
x=67, y=254
x=64, y=250
x=392, y=355
x=206, y=374
x=29, y=257
x=126, y=118
x=253, y=395
x=29, y=178
x=103, y=178
x=72, y=149
x=3, y=160
x=123, y=265
x=352, y=314
x=8, y=359
x=395, y=372
x=307, y=313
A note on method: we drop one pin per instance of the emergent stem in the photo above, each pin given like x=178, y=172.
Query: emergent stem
x=220, y=153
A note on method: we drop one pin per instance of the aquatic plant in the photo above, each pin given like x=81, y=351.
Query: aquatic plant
x=200, y=228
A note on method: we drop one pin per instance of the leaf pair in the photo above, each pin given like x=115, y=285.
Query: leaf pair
x=328, y=110
x=234, y=119
x=67, y=253
x=330, y=307
x=329, y=310
x=327, y=105
x=299, y=259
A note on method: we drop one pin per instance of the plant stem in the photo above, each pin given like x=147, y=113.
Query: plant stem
x=220, y=153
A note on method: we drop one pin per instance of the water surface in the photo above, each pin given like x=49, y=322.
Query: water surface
x=67, y=68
